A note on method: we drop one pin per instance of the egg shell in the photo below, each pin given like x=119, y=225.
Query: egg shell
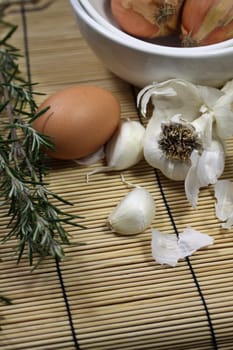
x=80, y=119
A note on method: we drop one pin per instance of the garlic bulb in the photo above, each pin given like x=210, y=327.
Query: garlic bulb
x=186, y=132
x=134, y=213
x=125, y=148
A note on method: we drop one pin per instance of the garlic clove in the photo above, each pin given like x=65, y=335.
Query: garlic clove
x=209, y=95
x=125, y=147
x=228, y=86
x=152, y=152
x=134, y=213
x=205, y=170
x=223, y=112
x=203, y=126
x=192, y=181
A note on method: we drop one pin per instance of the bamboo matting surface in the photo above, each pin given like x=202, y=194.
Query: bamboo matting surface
x=109, y=293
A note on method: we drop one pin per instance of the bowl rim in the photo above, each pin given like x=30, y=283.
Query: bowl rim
x=94, y=14
x=145, y=47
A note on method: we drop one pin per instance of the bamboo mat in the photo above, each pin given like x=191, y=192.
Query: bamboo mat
x=109, y=293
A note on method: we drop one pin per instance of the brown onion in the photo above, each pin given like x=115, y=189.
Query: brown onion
x=206, y=22
x=147, y=18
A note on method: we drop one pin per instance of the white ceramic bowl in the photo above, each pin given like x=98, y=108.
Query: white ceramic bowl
x=100, y=11
x=140, y=63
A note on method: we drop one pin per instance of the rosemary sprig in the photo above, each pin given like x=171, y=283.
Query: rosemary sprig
x=35, y=221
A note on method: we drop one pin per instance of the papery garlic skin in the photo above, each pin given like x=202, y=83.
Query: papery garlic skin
x=164, y=248
x=134, y=213
x=224, y=202
x=125, y=147
x=205, y=170
x=191, y=240
x=223, y=113
x=171, y=97
x=168, y=249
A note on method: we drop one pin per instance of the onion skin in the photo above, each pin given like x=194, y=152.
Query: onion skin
x=206, y=22
x=147, y=18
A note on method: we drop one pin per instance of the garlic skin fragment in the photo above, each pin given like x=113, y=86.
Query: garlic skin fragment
x=190, y=241
x=134, y=213
x=171, y=97
x=167, y=248
x=224, y=202
x=223, y=112
x=164, y=248
x=125, y=147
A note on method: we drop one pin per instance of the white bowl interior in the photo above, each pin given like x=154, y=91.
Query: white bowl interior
x=140, y=62
x=100, y=11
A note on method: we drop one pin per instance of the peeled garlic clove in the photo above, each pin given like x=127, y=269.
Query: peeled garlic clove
x=134, y=213
x=125, y=147
x=206, y=22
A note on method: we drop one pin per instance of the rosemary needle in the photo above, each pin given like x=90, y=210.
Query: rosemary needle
x=37, y=224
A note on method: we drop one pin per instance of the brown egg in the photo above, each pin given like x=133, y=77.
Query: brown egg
x=79, y=121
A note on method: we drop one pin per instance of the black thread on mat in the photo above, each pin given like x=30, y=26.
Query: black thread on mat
x=59, y=273
x=213, y=337
x=214, y=340
x=67, y=305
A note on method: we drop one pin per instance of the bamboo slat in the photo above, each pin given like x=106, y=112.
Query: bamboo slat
x=109, y=293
